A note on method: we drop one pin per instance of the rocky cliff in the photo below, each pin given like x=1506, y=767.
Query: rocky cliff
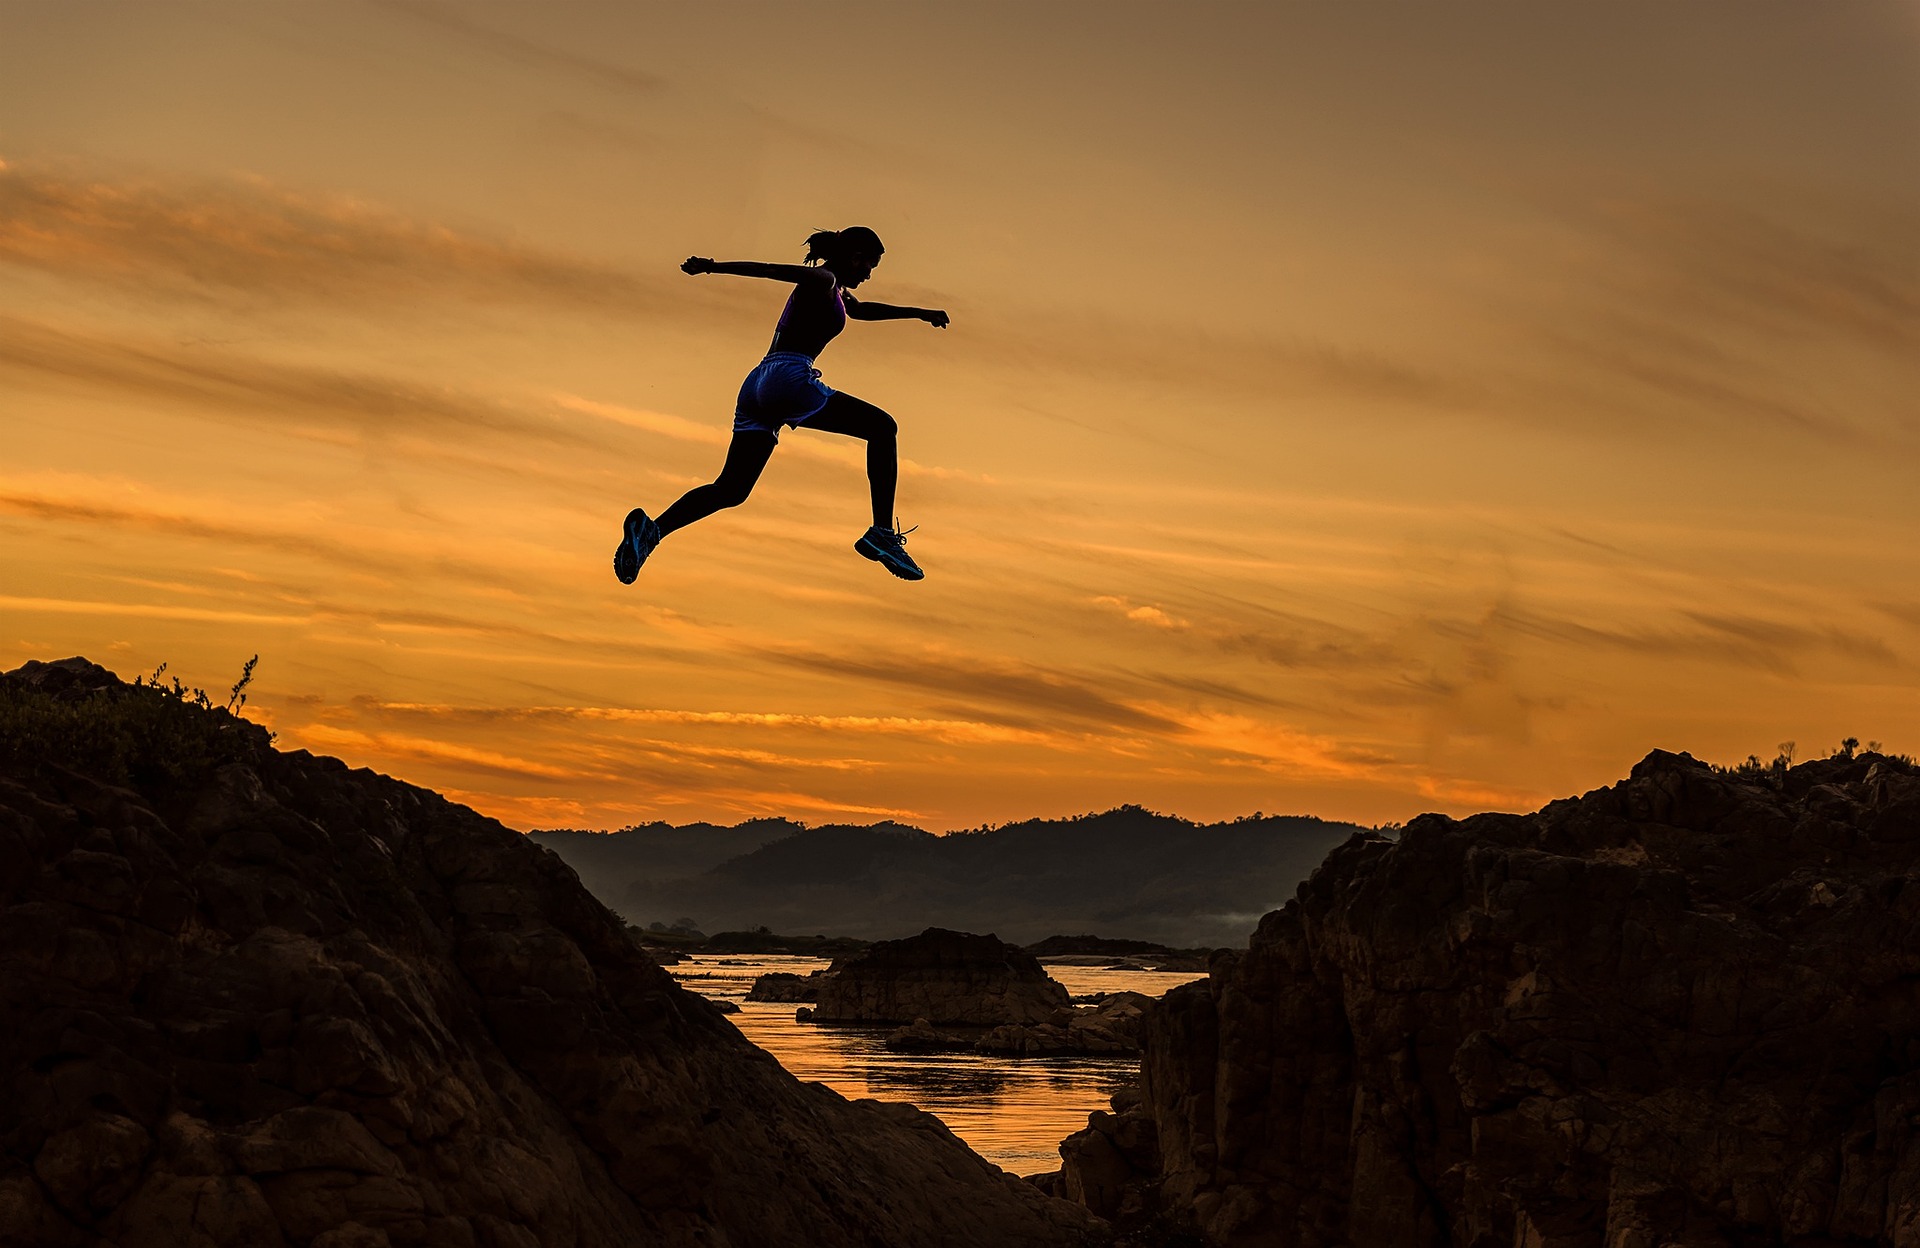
x=257, y=998
x=947, y=978
x=1682, y=1010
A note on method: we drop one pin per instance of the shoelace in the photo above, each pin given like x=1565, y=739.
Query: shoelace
x=899, y=535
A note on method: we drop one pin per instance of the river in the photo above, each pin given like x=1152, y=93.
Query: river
x=1014, y=1111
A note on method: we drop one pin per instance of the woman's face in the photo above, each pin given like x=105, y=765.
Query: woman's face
x=854, y=269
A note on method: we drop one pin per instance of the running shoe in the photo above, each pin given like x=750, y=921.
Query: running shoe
x=642, y=534
x=889, y=546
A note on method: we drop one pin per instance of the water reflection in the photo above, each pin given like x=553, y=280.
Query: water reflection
x=1012, y=1111
x=926, y=1084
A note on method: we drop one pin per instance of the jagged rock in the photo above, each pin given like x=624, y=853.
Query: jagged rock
x=1678, y=1010
x=924, y=1037
x=1104, y=1164
x=1111, y=1026
x=951, y=979
x=785, y=986
x=288, y=1003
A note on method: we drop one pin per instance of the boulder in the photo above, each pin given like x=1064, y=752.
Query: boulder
x=1675, y=1011
x=948, y=978
x=250, y=997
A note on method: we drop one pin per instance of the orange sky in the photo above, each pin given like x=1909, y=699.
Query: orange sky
x=1348, y=410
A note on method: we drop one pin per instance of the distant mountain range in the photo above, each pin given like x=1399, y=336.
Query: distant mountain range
x=1125, y=873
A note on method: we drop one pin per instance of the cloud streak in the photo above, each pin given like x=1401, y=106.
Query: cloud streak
x=526, y=52
x=277, y=245
x=1030, y=688
x=206, y=380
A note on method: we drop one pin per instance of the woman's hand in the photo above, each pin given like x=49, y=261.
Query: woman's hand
x=697, y=265
x=935, y=318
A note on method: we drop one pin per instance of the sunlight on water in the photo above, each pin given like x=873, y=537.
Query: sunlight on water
x=1012, y=1111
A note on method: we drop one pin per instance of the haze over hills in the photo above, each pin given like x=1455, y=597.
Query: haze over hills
x=607, y=862
x=1127, y=872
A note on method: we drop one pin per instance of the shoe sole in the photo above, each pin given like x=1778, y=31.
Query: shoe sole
x=867, y=548
x=626, y=564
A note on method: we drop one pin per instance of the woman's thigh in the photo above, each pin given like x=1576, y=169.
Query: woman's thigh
x=856, y=418
x=747, y=456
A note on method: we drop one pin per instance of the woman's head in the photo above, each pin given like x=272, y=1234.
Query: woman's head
x=851, y=253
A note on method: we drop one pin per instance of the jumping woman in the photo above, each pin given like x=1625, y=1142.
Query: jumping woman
x=785, y=389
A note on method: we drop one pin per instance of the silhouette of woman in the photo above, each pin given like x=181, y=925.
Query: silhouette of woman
x=785, y=389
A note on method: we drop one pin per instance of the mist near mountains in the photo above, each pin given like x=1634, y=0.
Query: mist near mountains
x=1127, y=873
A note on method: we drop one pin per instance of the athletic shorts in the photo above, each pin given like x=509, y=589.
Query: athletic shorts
x=784, y=389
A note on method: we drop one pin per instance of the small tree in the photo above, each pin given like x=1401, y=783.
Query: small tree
x=238, y=698
x=1848, y=746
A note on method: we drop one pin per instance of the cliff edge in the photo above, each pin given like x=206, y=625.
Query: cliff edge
x=256, y=998
x=1680, y=1010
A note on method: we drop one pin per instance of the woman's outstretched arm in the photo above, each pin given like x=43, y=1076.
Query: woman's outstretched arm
x=795, y=273
x=861, y=310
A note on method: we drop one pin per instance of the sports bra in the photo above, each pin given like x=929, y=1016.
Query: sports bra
x=808, y=324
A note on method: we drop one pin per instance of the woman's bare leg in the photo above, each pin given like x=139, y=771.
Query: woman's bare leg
x=858, y=418
x=747, y=455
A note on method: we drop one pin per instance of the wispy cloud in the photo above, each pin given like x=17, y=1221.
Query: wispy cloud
x=952, y=730
x=432, y=749
x=1748, y=641
x=209, y=380
x=292, y=534
x=1732, y=318
x=1030, y=688
x=1142, y=613
x=276, y=245
x=144, y=610
x=516, y=49
x=1849, y=271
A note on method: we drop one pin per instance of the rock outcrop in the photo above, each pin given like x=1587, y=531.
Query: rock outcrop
x=1110, y=1027
x=950, y=979
x=1106, y=1164
x=257, y=998
x=1681, y=1010
x=921, y=1036
x=785, y=986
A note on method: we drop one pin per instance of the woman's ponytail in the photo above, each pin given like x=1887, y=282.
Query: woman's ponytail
x=832, y=244
x=820, y=245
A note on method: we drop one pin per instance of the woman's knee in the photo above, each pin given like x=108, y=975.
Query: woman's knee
x=730, y=493
x=885, y=427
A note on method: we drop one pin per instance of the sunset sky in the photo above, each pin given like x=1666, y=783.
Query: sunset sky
x=1348, y=410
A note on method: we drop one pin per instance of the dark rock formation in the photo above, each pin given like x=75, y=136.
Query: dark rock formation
x=923, y=1037
x=947, y=978
x=1104, y=1165
x=1679, y=1010
x=786, y=986
x=265, y=1000
x=1111, y=1027
x=1058, y=946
